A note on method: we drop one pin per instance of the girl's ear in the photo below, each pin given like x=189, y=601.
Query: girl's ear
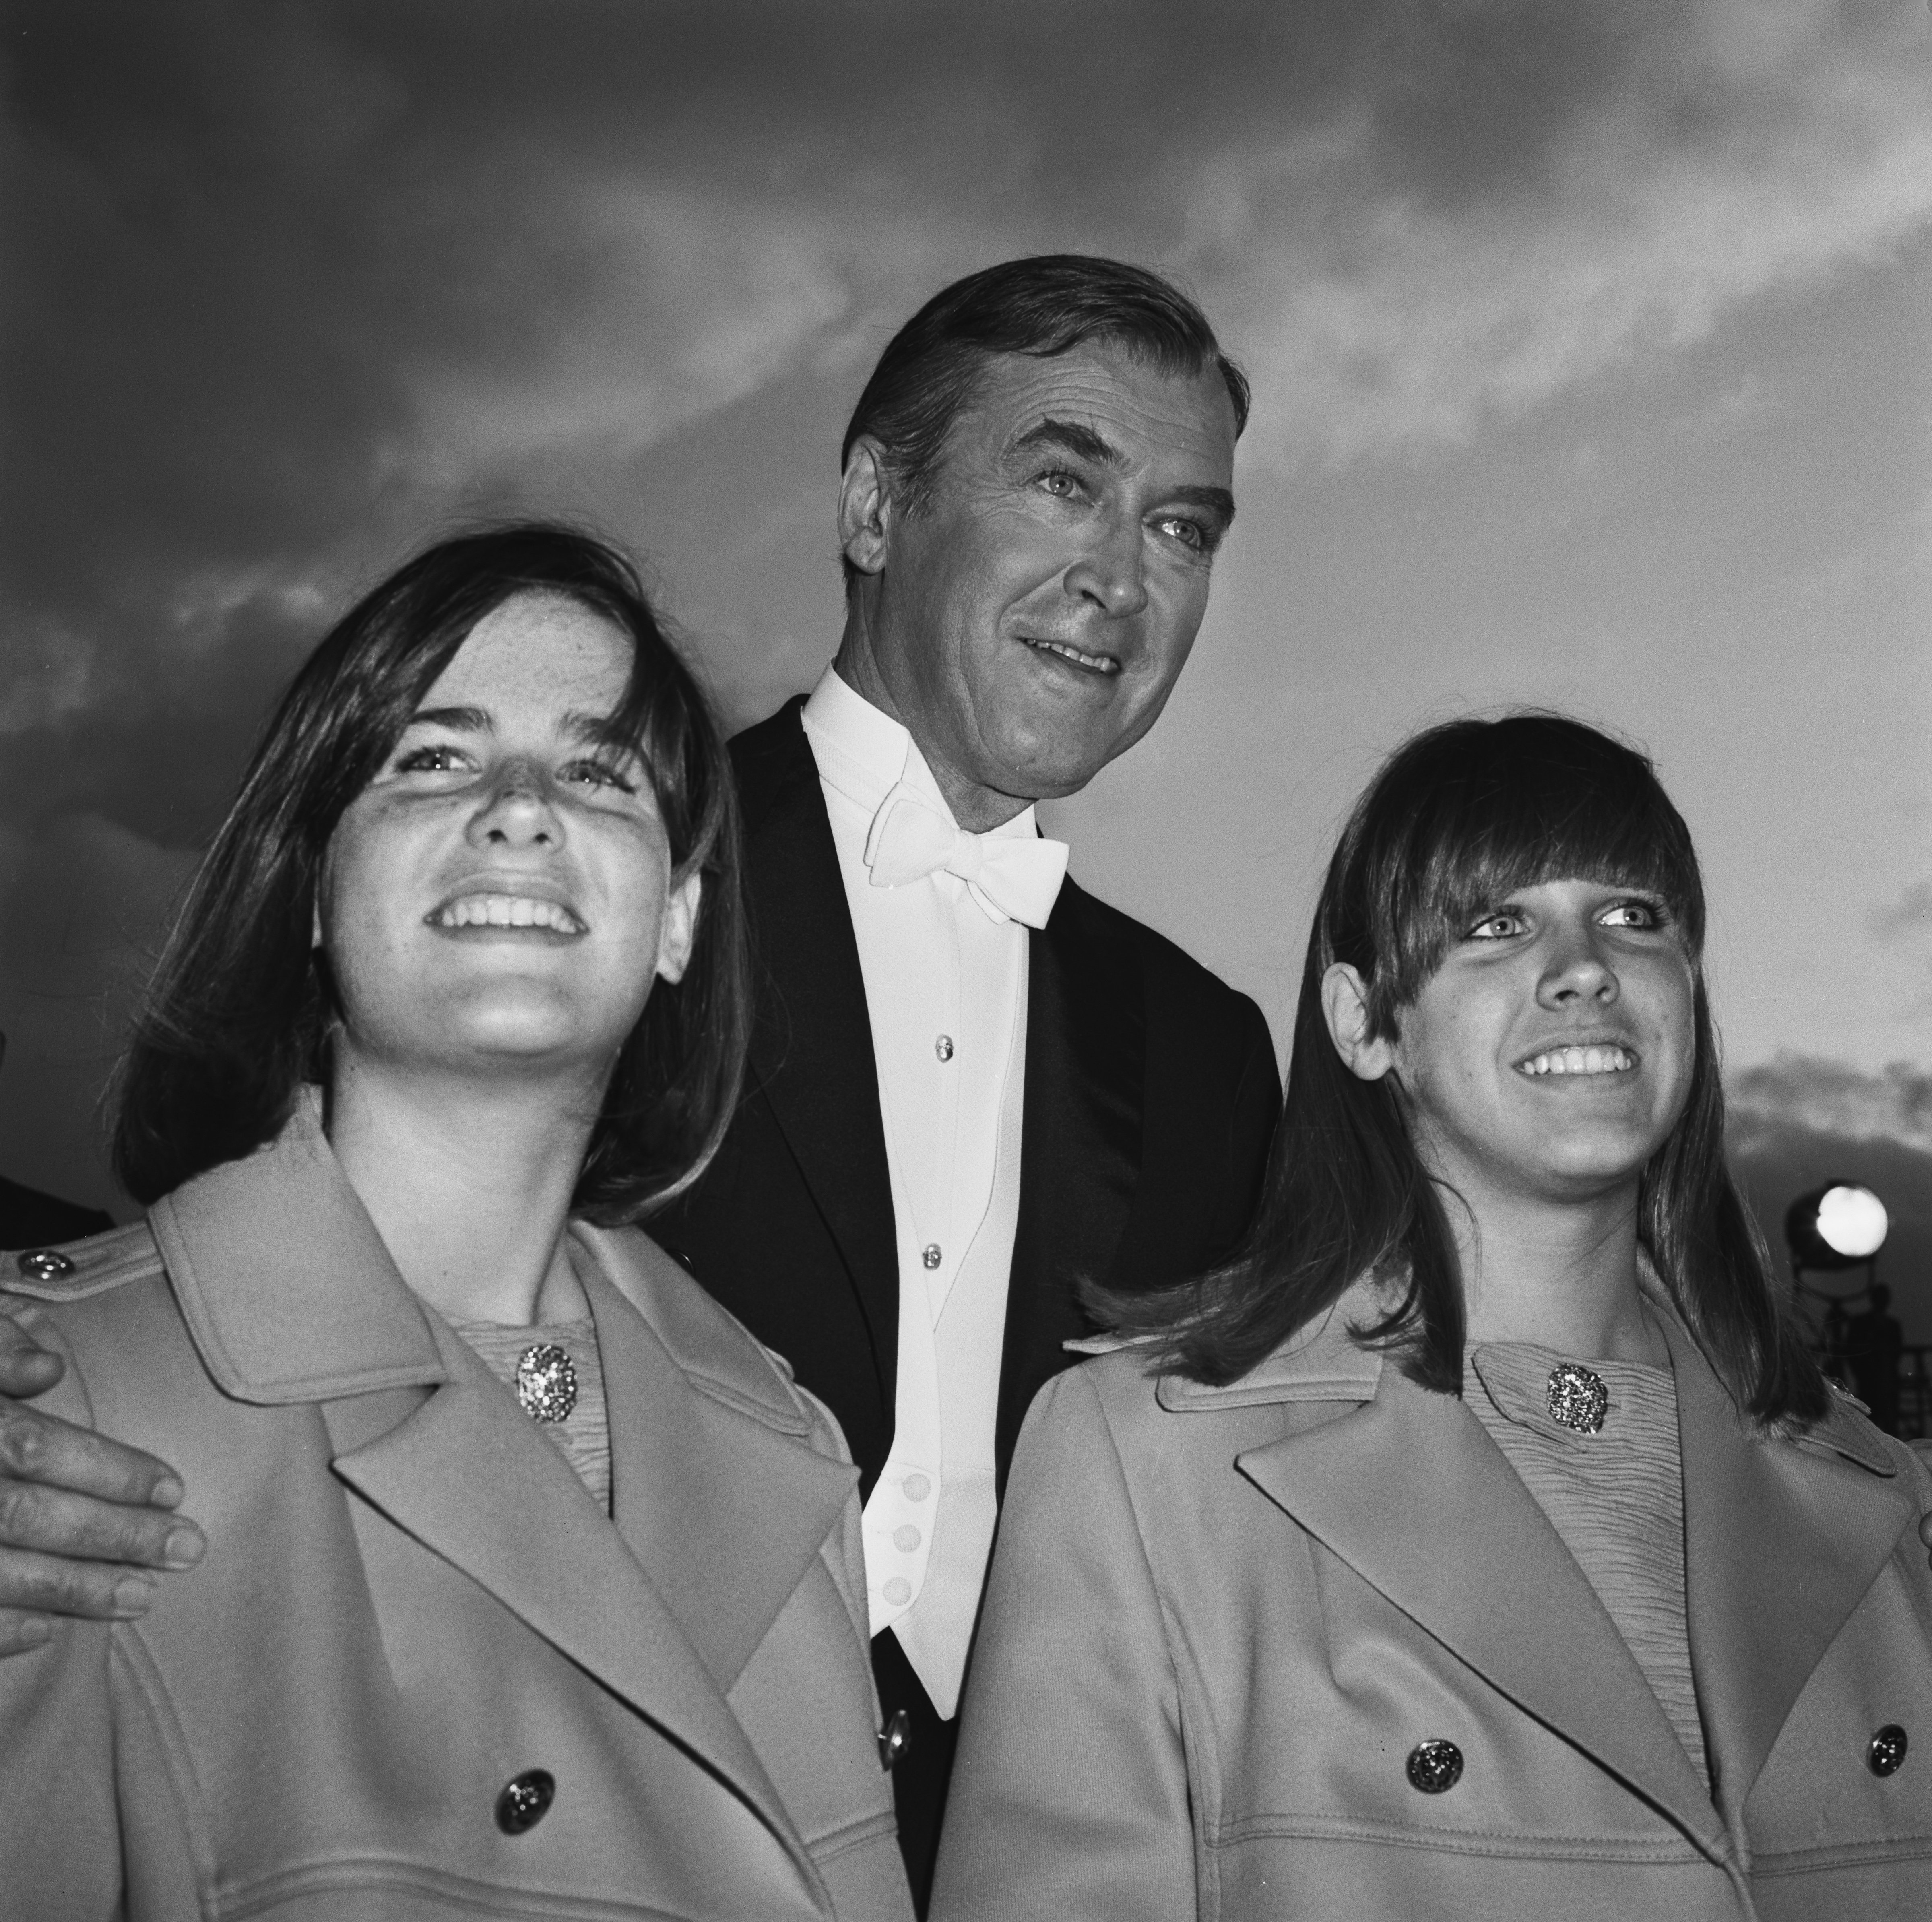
x=678, y=930
x=1345, y=1005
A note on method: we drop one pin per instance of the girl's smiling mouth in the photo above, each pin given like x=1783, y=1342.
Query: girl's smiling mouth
x=1591, y=1058
x=507, y=910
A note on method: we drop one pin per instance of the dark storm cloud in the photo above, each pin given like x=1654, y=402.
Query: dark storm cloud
x=291, y=287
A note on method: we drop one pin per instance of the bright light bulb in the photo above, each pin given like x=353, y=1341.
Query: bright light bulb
x=1852, y=1221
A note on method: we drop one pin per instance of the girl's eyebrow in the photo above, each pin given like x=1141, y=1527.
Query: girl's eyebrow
x=460, y=720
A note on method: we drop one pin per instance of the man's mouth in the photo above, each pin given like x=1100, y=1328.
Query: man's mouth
x=1097, y=664
x=1602, y=1059
x=505, y=910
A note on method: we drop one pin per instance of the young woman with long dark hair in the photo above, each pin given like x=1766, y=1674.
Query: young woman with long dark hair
x=1482, y=1542
x=532, y=1582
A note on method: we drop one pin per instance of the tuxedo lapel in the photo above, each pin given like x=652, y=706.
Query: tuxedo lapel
x=1783, y=1541
x=811, y=1045
x=726, y=1539
x=1081, y=1145
x=1415, y=1498
x=465, y=1475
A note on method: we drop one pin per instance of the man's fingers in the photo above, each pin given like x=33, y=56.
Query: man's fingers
x=26, y=1369
x=53, y=1523
x=35, y=1447
x=20, y=1632
x=43, y=1586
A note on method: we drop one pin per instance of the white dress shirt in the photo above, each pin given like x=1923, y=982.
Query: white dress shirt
x=945, y=972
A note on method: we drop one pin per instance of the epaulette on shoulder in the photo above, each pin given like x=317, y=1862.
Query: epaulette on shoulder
x=75, y=1269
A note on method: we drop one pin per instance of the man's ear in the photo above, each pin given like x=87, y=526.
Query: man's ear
x=865, y=506
x=679, y=929
x=1345, y=1005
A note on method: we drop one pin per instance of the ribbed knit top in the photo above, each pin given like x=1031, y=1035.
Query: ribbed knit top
x=1616, y=1497
x=584, y=1434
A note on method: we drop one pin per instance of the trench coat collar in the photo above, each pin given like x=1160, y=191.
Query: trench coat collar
x=288, y=1293
x=1409, y=1491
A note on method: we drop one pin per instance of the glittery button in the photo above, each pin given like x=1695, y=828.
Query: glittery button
x=44, y=1264
x=931, y=1255
x=1887, y=1750
x=546, y=1383
x=1577, y=1397
x=917, y=1486
x=942, y=1047
x=897, y=1590
x=905, y=1538
x=1434, y=1766
x=525, y=1800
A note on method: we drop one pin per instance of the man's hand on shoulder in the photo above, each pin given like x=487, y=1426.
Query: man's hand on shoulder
x=84, y=1522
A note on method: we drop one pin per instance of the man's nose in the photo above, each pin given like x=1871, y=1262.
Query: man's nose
x=1112, y=573
x=1579, y=971
x=519, y=811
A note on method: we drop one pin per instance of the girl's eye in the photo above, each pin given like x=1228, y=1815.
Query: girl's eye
x=1633, y=914
x=436, y=758
x=599, y=774
x=1498, y=926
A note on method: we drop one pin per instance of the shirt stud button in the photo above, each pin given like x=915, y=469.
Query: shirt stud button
x=1887, y=1750
x=50, y=1264
x=932, y=1256
x=895, y=1739
x=897, y=1591
x=905, y=1538
x=525, y=1800
x=1435, y=1766
x=917, y=1486
x=942, y=1047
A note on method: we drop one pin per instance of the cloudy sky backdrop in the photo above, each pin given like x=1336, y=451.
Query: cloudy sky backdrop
x=1591, y=352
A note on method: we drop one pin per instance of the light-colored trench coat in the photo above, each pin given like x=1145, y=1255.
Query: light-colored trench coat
x=410, y=1600
x=1220, y=1620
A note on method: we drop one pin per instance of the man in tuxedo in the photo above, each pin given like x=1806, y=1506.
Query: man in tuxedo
x=972, y=1087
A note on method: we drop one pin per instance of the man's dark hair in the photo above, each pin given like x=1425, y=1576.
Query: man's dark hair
x=1459, y=818
x=241, y=1007
x=1045, y=305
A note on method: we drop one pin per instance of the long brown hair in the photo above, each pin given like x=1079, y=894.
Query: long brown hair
x=238, y=1014
x=1458, y=817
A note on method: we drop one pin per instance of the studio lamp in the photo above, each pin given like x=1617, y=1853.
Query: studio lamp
x=1839, y=1226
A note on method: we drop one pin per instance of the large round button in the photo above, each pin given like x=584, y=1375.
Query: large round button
x=1434, y=1766
x=525, y=1800
x=44, y=1264
x=1887, y=1750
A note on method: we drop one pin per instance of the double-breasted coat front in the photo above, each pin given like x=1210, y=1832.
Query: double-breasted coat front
x=1222, y=1621
x=410, y=1605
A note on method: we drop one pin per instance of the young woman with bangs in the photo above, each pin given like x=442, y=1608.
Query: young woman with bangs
x=1482, y=1542
x=532, y=1582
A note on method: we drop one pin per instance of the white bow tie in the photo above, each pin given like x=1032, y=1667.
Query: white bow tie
x=1018, y=877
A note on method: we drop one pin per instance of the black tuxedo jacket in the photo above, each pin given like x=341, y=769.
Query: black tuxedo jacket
x=1151, y=1094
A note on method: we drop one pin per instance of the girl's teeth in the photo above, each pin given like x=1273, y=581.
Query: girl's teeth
x=1580, y=1061
x=508, y=911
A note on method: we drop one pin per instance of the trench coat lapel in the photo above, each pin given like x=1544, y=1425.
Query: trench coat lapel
x=1412, y=1494
x=727, y=1539
x=811, y=1040
x=1783, y=1540
x=461, y=1475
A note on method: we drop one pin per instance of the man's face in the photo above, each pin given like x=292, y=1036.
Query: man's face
x=1031, y=621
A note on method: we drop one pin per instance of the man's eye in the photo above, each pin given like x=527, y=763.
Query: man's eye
x=1189, y=533
x=1059, y=483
